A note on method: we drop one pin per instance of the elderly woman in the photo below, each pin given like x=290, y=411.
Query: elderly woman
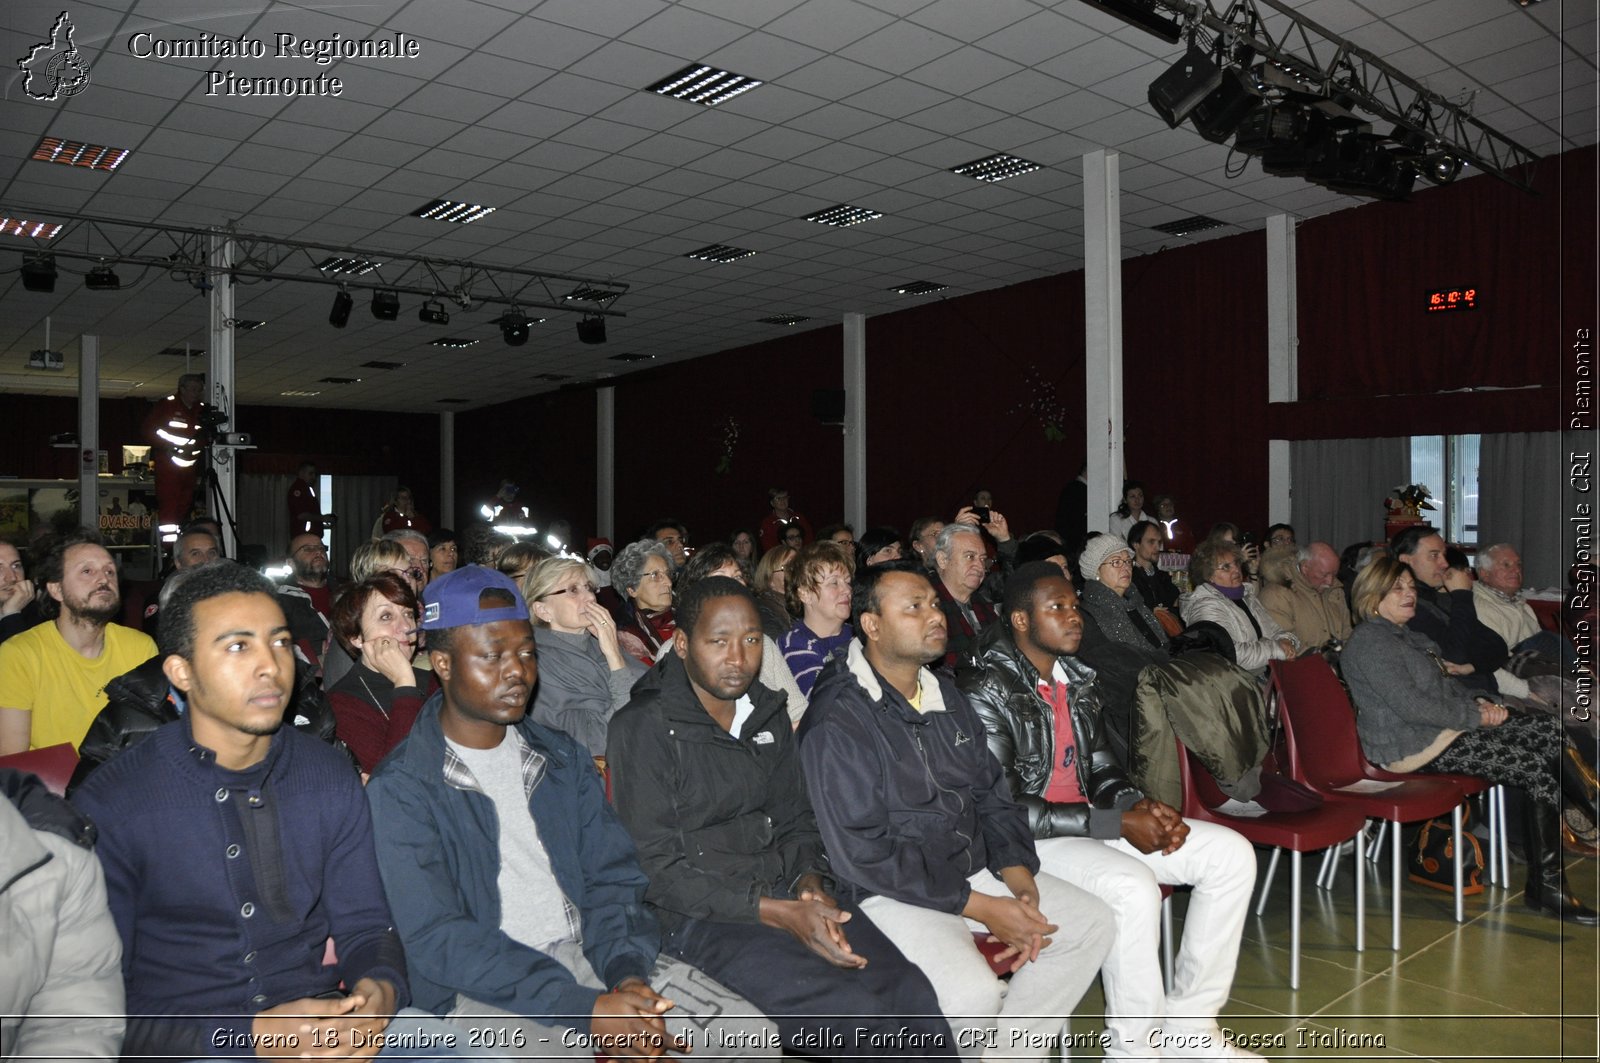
x=642, y=576
x=1221, y=596
x=771, y=590
x=1155, y=587
x=1110, y=603
x=819, y=590
x=378, y=699
x=584, y=675
x=1414, y=715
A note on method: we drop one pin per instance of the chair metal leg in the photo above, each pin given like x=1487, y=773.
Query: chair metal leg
x=1166, y=944
x=1394, y=877
x=1361, y=891
x=1333, y=868
x=1376, y=852
x=1505, y=847
x=1266, y=883
x=1294, y=920
x=1329, y=856
x=1455, y=837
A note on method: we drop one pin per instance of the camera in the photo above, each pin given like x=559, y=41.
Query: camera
x=211, y=420
x=982, y=513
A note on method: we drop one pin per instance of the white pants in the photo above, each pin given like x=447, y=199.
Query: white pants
x=991, y=1018
x=1221, y=866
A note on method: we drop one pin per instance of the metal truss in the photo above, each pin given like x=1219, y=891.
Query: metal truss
x=1329, y=65
x=184, y=252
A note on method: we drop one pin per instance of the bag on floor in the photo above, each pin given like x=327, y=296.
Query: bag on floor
x=1433, y=858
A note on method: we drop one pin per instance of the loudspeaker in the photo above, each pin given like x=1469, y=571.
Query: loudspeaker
x=827, y=405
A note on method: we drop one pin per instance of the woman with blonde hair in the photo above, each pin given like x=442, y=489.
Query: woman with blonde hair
x=771, y=588
x=584, y=676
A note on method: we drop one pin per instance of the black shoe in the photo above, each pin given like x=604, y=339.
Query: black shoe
x=1547, y=889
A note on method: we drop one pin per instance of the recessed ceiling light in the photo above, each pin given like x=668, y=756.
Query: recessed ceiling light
x=34, y=230
x=449, y=210
x=995, y=168
x=633, y=357
x=182, y=352
x=299, y=394
x=720, y=253
x=241, y=324
x=453, y=341
x=844, y=214
x=1184, y=226
x=73, y=153
x=552, y=376
x=920, y=288
x=699, y=83
x=588, y=293
x=358, y=266
x=382, y=365
x=783, y=319
x=340, y=380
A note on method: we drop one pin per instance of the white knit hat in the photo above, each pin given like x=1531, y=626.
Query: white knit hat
x=1097, y=551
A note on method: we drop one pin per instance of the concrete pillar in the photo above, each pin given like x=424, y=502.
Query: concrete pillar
x=855, y=421
x=605, y=464
x=220, y=498
x=447, y=469
x=88, y=432
x=1283, y=343
x=1102, y=305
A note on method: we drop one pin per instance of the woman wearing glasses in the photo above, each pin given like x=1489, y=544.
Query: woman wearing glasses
x=642, y=577
x=584, y=676
x=1221, y=595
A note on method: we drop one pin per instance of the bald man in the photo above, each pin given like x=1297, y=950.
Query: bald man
x=1307, y=598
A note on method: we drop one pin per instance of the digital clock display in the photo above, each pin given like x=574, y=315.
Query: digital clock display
x=1462, y=298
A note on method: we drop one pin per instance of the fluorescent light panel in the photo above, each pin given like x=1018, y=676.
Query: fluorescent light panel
x=783, y=319
x=180, y=352
x=920, y=288
x=587, y=293
x=357, y=266
x=340, y=380
x=720, y=253
x=33, y=230
x=633, y=357
x=74, y=153
x=844, y=214
x=703, y=84
x=382, y=365
x=299, y=394
x=995, y=168
x=449, y=210
x=1195, y=223
x=453, y=342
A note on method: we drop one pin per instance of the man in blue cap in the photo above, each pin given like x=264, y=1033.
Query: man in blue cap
x=516, y=890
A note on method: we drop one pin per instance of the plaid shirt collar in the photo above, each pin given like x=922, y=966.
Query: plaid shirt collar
x=457, y=774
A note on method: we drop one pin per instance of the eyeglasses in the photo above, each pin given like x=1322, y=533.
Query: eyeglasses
x=1117, y=562
x=668, y=540
x=653, y=576
x=414, y=574
x=576, y=588
x=315, y=548
x=1228, y=566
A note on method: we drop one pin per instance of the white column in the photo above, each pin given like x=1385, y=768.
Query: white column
x=1283, y=343
x=1102, y=306
x=855, y=421
x=605, y=464
x=89, y=431
x=220, y=394
x=447, y=469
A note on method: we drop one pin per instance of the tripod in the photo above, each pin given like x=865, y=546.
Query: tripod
x=216, y=504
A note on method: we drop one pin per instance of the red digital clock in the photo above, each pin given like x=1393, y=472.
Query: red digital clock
x=1440, y=299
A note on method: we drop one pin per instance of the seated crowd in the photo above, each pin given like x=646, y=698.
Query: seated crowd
x=792, y=793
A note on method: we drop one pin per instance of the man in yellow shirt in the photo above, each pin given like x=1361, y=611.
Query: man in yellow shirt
x=53, y=677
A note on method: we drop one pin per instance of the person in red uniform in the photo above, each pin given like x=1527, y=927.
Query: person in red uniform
x=773, y=525
x=401, y=512
x=305, y=511
x=172, y=428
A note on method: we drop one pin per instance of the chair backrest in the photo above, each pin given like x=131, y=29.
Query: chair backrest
x=52, y=764
x=1318, y=722
x=1200, y=789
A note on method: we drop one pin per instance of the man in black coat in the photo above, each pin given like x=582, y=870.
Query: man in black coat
x=706, y=778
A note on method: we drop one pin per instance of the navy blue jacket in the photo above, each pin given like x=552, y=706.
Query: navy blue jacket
x=225, y=885
x=910, y=804
x=439, y=852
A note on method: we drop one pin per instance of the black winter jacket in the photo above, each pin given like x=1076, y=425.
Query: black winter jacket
x=1004, y=688
x=1451, y=620
x=138, y=702
x=910, y=804
x=720, y=822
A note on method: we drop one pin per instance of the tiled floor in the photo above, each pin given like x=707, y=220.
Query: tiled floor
x=1508, y=984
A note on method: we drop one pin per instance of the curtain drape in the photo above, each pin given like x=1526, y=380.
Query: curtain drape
x=1340, y=485
x=357, y=500
x=1520, y=480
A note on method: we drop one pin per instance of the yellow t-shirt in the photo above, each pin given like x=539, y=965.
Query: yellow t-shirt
x=42, y=675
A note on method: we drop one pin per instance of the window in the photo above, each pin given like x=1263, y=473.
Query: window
x=1449, y=466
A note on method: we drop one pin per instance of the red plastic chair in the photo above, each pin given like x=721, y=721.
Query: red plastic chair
x=53, y=764
x=1298, y=832
x=1324, y=753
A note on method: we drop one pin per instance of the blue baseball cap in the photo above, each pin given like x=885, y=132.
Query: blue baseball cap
x=456, y=599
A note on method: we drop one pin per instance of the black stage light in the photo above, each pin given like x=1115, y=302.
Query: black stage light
x=514, y=327
x=102, y=279
x=339, y=316
x=39, y=273
x=1143, y=14
x=1178, y=91
x=1217, y=117
x=385, y=304
x=433, y=313
x=1441, y=169
x=592, y=330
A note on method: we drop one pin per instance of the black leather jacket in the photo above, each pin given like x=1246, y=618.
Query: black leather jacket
x=1004, y=688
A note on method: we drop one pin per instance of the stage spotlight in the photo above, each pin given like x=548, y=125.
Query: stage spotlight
x=514, y=327
x=339, y=316
x=1178, y=91
x=39, y=273
x=592, y=330
x=385, y=304
x=1441, y=169
x=102, y=279
x=433, y=313
x=1217, y=117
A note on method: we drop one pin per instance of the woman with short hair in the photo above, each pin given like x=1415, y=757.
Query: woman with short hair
x=378, y=699
x=1221, y=595
x=642, y=576
x=819, y=590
